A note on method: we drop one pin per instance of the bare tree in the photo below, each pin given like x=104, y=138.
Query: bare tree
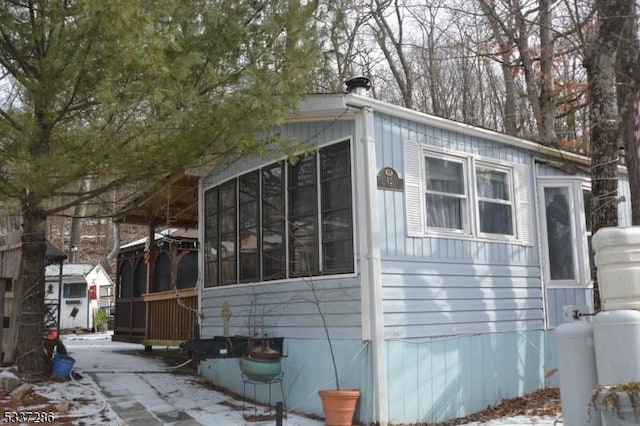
x=600, y=62
x=389, y=30
x=627, y=84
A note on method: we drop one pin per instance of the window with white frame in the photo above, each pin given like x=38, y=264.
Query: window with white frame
x=565, y=206
x=446, y=193
x=494, y=190
x=284, y=220
x=462, y=194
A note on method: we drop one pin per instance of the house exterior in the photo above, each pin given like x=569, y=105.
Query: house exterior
x=440, y=255
x=85, y=289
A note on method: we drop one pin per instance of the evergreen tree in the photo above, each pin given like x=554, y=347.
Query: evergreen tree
x=127, y=92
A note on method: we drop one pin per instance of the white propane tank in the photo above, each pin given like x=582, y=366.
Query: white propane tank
x=617, y=256
x=577, y=369
x=616, y=336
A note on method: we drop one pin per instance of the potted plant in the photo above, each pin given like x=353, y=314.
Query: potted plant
x=339, y=405
x=260, y=362
x=99, y=320
x=619, y=404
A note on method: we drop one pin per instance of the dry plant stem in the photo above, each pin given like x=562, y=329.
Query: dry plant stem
x=326, y=332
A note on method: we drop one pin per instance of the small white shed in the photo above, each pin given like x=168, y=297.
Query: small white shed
x=85, y=289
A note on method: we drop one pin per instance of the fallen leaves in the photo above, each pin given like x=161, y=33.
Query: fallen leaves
x=543, y=402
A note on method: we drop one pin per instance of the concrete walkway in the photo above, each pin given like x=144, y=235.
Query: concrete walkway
x=124, y=378
x=155, y=389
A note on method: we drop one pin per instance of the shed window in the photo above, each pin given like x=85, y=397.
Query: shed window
x=310, y=234
x=74, y=290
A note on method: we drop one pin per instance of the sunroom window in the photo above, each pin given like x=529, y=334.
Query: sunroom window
x=284, y=220
x=273, y=223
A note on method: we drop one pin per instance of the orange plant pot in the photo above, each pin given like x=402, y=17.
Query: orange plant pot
x=339, y=406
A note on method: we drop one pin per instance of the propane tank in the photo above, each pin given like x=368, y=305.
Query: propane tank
x=617, y=345
x=577, y=369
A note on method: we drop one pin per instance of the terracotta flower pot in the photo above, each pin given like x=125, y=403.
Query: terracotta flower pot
x=339, y=406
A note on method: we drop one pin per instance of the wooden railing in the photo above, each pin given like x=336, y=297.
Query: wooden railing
x=172, y=316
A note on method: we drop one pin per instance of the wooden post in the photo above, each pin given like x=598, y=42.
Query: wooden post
x=150, y=258
x=3, y=289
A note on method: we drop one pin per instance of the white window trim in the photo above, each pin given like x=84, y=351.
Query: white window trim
x=509, y=170
x=467, y=229
x=578, y=228
x=415, y=195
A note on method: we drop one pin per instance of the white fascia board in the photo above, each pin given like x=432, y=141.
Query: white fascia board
x=322, y=107
x=333, y=106
x=455, y=126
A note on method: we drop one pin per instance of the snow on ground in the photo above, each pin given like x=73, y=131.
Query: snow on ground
x=117, y=387
x=519, y=420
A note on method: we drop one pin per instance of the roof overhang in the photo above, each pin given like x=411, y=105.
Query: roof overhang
x=346, y=106
x=53, y=254
x=174, y=205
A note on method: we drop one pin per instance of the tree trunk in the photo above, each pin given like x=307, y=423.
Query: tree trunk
x=30, y=359
x=79, y=213
x=547, y=128
x=505, y=42
x=627, y=80
x=631, y=137
x=600, y=62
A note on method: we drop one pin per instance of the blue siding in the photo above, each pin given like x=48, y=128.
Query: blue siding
x=558, y=298
x=285, y=309
x=306, y=369
x=433, y=380
x=288, y=308
x=308, y=134
x=442, y=286
x=423, y=298
x=484, y=296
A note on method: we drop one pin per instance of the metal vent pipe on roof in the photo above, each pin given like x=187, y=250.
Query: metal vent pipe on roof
x=358, y=85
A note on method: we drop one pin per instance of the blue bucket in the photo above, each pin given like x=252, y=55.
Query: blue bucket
x=62, y=365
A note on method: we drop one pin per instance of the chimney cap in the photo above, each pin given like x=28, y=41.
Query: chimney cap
x=358, y=83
